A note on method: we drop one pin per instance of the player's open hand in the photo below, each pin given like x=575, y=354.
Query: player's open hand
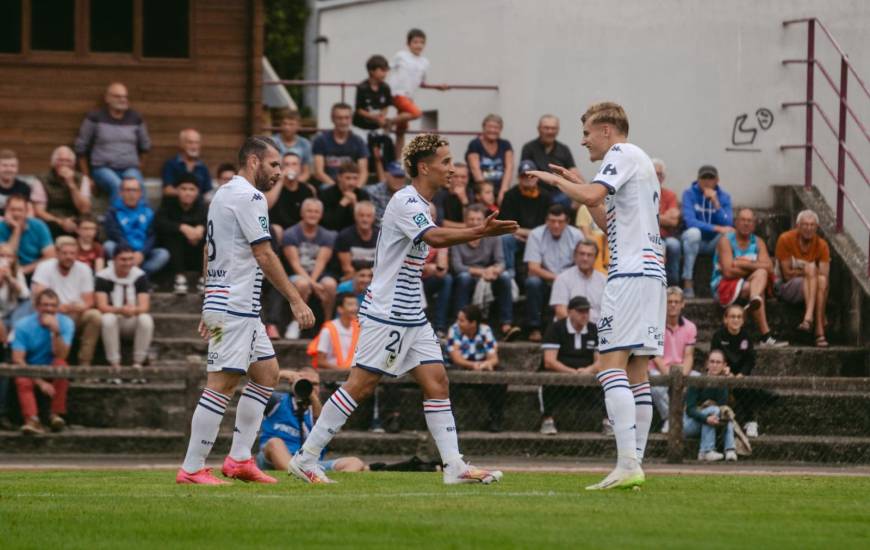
x=544, y=176
x=303, y=314
x=563, y=172
x=494, y=226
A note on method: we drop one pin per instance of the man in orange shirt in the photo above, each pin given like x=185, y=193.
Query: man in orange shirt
x=669, y=226
x=334, y=347
x=805, y=262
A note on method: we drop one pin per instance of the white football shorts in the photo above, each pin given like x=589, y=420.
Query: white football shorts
x=633, y=312
x=235, y=342
x=393, y=350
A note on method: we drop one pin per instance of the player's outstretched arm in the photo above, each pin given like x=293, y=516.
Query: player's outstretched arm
x=272, y=269
x=441, y=237
x=590, y=195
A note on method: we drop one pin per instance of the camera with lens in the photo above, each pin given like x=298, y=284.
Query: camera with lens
x=302, y=389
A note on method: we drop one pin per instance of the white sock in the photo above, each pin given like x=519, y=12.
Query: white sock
x=204, y=428
x=439, y=420
x=643, y=413
x=334, y=414
x=620, y=409
x=249, y=416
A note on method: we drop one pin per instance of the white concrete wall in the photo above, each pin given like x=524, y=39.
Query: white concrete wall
x=683, y=69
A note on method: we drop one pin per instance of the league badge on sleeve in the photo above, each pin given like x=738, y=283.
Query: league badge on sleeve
x=421, y=220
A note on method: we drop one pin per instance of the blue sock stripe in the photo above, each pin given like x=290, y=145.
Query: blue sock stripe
x=347, y=398
x=218, y=397
x=209, y=408
x=211, y=402
x=256, y=397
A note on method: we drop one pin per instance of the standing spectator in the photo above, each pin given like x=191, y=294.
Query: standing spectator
x=289, y=141
x=805, y=263
x=491, y=158
x=373, y=98
x=112, y=142
x=42, y=339
x=362, y=278
x=583, y=281
x=481, y=262
x=335, y=345
x=547, y=150
x=484, y=193
x=180, y=228
x=123, y=298
x=742, y=270
x=10, y=184
x=734, y=342
x=679, y=351
x=68, y=193
x=669, y=225
x=381, y=193
x=472, y=346
x=527, y=203
x=186, y=162
x=90, y=251
x=130, y=221
x=549, y=251
x=438, y=287
x=570, y=346
x=357, y=242
x=28, y=237
x=339, y=147
x=73, y=282
x=285, y=200
x=702, y=414
x=308, y=248
x=707, y=215
x=450, y=203
x=340, y=199
x=225, y=173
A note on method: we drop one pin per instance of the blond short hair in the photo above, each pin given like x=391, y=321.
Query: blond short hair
x=65, y=240
x=420, y=148
x=607, y=112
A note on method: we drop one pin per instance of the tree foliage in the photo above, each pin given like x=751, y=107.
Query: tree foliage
x=284, y=35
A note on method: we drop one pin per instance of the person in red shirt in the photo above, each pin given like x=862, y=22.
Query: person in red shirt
x=90, y=251
x=669, y=226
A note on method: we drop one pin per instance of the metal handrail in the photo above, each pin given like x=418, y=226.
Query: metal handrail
x=311, y=130
x=344, y=85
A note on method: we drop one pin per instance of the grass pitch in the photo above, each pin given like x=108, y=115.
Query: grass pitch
x=110, y=509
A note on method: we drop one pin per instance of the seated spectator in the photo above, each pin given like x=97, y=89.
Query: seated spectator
x=68, y=193
x=180, y=227
x=381, y=193
x=357, y=242
x=450, y=202
x=547, y=150
x=28, y=237
x=549, y=251
x=334, y=347
x=527, y=203
x=804, y=261
x=707, y=215
x=10, y=184
x=41, y=339
x=472, y=346
x=225, y=173
x=408, y=74
x=669, y=225
x=582, y=281
x=130, y=221
x=288, y=140
x=703, y=414
x=373, y=98
x=111, y=142
x=73, y=282
x=14, y=296
x=285, y=200
x=734, y=342
x=90, y=251
x=438, y=286
x=362, y=278
x=308, y=248
x=570, y=346
x=287, y=417
x=122, y=296
x=340, y=200
x=590, y=229
x=679, y=351
x=185, y=163
x=742, y=270
x=478, y=271
x=491, y=158
x=485, y=195
x=336, y=148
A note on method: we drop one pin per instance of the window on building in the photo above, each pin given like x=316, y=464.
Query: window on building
x=165, y=28
x=10, y=27
x=52, y=25
x=111, y=26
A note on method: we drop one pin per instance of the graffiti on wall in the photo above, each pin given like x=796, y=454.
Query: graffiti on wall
x=746, y=131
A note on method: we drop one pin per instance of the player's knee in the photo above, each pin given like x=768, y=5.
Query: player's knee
x=272, y=446
x=350, y=464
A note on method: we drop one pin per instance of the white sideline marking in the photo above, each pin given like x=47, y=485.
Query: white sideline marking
x=331, y=496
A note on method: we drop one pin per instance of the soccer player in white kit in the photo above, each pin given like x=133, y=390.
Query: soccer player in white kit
x=624, y=198
x=238, y=253
x=395, y=336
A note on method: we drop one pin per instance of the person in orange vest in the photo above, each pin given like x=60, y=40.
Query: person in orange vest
x=334, y=347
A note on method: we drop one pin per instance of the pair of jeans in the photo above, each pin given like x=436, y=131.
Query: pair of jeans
x=537, y=291
x=501, y=287
x=109, y=179
x=694, y=244
x=691, y=428
x=441, y=289
x=154, y=261
x=510, y=246
x=673, y=255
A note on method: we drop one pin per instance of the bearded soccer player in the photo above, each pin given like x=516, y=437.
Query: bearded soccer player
x=238, y=254
x=624, y=198
x=395, y=336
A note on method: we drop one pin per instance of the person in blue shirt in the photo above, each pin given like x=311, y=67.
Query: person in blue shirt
x=287, y=422
x=707, y=214
x=187, y=161
x=130, y=221
x=30, y=238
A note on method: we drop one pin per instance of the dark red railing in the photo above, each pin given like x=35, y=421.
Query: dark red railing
x=839, y=132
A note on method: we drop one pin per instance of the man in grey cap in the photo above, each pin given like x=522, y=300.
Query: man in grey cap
x=707, y=214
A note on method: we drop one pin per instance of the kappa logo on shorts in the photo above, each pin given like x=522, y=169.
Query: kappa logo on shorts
x=421, y=220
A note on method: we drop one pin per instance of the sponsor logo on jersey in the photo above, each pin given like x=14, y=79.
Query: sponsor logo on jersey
x=421, y=220
x=217, y=273
x=616, y=148
x=609, y=170
x=264, y=223
x=655, y=239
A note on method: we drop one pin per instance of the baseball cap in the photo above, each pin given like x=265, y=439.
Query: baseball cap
x=579, y=302
x=396, y=170
x=526, y=166
x=708, y=171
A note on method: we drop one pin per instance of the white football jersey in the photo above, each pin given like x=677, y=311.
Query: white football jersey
x=396, y=293
x=237, y=218
x=632, y=203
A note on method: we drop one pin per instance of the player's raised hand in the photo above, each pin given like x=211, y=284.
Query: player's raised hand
x=494, y=226
x=563, y=172
x=302, y=313
x=544, y=176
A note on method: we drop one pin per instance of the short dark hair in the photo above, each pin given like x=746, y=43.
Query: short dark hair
x=359, y=265
x=122, y=249
x=46, y=293
x=342, y=296
x=415, y=33
x=291, y=154
x=473, y=313
x=587, y=242
x=557, y=210
x=17, y=197
x=732, y=306
x=187, y=177
x=257, y=146
x=289, y=114
x=340, y=105
x=478, y=187
x=227, y=166
x=348, y=167
x=476, y=207
x=87, y=218
x=377, y=62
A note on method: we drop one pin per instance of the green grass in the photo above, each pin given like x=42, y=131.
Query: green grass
x=106, y=509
